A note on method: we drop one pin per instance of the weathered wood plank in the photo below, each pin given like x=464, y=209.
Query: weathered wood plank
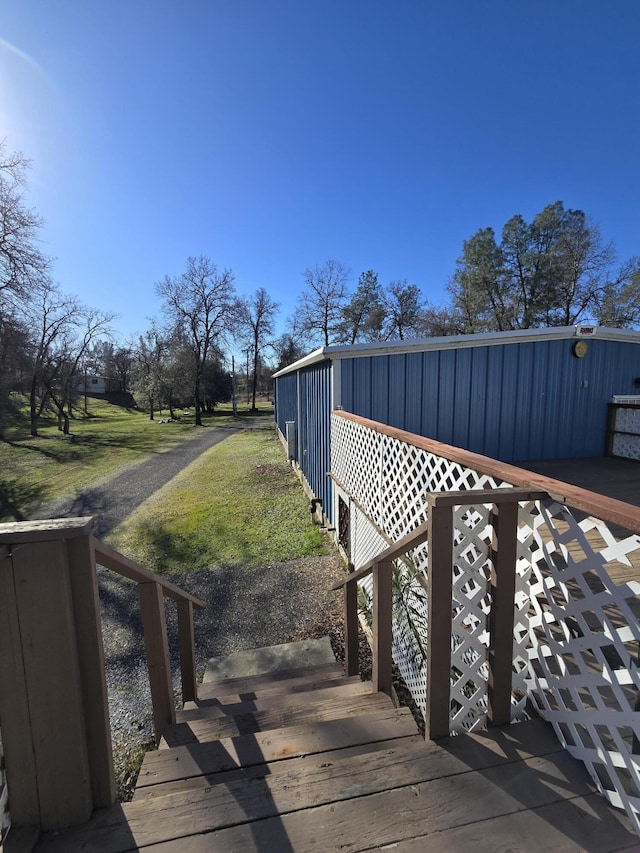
x=573, y=826
x=291, y=687
x=356, y=785
x=14, y=703
x=158, y=662
x=197, y=759
x=88, y=628
x=439, y=592
x=216, y=709
x=385, y=818
x=503, y=584
x=186, y=644
x=50, y=656
x=351, y=640
x=471, y=752
x=382, y=627
x=256, y=682
x=204, y=730
x=285, y=767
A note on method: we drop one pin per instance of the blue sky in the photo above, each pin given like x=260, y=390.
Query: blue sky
x=272, y=135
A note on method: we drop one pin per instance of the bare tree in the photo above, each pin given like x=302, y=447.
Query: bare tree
x=201, y=302
x=74, y=343
x=52, y=315
x=257, y=315
x=149, y=357
x=21, y=262
x=320, y=308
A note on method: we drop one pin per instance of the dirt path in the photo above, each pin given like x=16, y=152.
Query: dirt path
x=112, y=501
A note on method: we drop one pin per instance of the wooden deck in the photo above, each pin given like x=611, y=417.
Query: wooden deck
x=314, y=761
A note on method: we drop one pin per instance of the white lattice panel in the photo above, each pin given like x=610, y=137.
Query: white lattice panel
x=628, y=420
x=584, y=642
x=626, y=446
x=363, y=460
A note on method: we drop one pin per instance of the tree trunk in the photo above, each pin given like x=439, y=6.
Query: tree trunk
x=151, y=409
x=33, y=409
x=196, y=393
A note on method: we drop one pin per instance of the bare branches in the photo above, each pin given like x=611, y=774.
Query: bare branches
x=201, y=303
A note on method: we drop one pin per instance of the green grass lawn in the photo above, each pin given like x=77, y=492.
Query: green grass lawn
x=239, y=503
x=52, y=465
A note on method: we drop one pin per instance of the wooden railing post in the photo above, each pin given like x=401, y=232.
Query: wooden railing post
x=382, y=627
x=158, y=661
x=439, y=590
x=351, y=642
x=187, y=651
x=53, y=709
x=503, y=584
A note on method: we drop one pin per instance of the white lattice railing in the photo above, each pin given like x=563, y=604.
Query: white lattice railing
x=574, y=611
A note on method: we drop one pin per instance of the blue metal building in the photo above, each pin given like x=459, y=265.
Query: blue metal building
x=514, y=396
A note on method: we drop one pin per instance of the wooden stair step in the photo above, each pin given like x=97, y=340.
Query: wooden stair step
x=411, y=790
x=248, y=683
x=283, y=767
x=475, y=752
x=182, y=762
x=204, y=730
x=215, y=708
x=284, y=688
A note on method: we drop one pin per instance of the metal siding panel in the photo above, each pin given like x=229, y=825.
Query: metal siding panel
x=430, y=393
x=413, y=400
x=447, y=390
x=554, y=399
x=397, y=390
x=380, y=388
x=522, y=408
x=286, y=403
x=316, y=407
x=539, y=402
x=461, y=397
x=478, y=400
x=362, y=387
x=492, y=401
x=508, y=399
x=347, y=384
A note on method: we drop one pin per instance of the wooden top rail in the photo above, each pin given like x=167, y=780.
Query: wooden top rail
x=116, y=562
x=608, y=509
x=438, y=499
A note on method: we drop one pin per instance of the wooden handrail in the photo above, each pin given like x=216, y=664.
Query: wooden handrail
x=421, y=532
x=54, y=708
x=152, y=588
x=438, y=531
x=117, y=562
x=608, y=509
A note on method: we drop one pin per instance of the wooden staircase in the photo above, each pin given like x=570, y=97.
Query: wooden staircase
x=311, y=760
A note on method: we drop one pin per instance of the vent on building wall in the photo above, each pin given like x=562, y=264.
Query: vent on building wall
x=291, y=441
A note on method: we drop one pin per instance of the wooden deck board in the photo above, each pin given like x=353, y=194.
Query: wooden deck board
x=398, y=814
x=371, y=799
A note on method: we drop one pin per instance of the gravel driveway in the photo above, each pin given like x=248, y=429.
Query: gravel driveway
x=115, y=498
